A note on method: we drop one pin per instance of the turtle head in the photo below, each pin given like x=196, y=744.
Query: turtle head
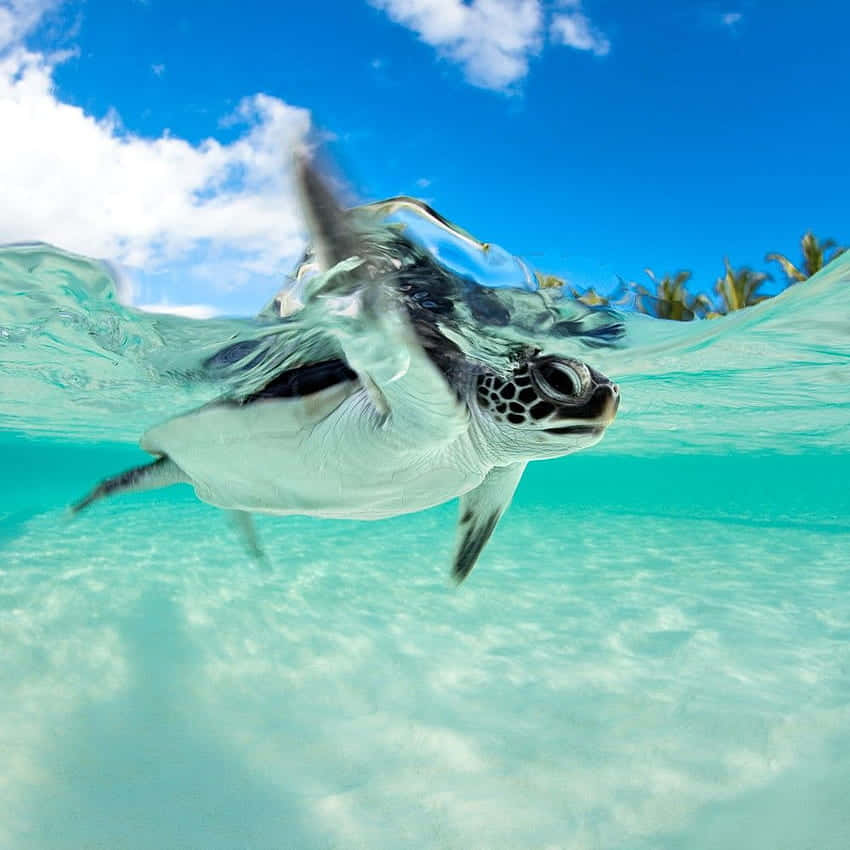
x=550, y=406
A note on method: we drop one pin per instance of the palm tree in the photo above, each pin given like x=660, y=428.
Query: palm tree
x=590, y=297
x=738, y=289
x=671, y=299
x=814, y=258
x=548, y=281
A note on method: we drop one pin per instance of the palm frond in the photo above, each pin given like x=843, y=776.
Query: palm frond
x=548, y=281
x=814, y=257
x=793, y=274
x=739, y=289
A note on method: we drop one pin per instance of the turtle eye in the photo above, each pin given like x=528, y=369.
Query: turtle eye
x=558, y=380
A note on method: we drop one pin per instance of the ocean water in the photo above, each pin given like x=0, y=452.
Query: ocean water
x=653, y=652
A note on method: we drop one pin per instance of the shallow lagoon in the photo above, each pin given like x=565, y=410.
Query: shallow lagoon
x=654, y=651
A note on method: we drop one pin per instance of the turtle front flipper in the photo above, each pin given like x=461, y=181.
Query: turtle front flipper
x=163, y=472
x=480, y=511
x=361, y=309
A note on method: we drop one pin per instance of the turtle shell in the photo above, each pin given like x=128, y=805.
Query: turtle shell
x=473, y=306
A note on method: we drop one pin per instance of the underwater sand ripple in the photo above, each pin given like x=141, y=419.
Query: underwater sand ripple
x=353, y=699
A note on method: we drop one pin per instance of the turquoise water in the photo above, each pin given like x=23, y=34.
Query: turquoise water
x=653, y=652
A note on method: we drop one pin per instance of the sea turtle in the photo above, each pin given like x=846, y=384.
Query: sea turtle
x=383, y=413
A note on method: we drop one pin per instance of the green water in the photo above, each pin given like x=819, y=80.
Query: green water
x=652, y=654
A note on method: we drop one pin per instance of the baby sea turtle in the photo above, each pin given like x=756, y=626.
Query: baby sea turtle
x=383, y=413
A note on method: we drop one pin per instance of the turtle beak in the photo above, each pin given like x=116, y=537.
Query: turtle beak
x=592, y=415
x=610, y=401
x=600, y=407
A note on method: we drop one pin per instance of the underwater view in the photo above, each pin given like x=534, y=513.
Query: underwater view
x=328, y=523
x=653, y=651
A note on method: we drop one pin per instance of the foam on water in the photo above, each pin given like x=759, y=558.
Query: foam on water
x=653, y=653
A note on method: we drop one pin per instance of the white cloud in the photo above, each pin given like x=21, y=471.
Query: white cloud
x=90, y=186
x=190, y=311
x=574, y=29
x=158, y=69
x=19, y=17
x=207, y=216
x=493, y=40
x=731, y=18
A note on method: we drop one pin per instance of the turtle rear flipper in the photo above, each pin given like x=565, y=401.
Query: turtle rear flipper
x=244, y=527
x=163, y=472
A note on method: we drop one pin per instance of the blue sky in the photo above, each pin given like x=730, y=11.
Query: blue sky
x=593, y=138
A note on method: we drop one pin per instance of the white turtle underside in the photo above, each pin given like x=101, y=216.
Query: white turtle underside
x=390, y=435
x=327, y=454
